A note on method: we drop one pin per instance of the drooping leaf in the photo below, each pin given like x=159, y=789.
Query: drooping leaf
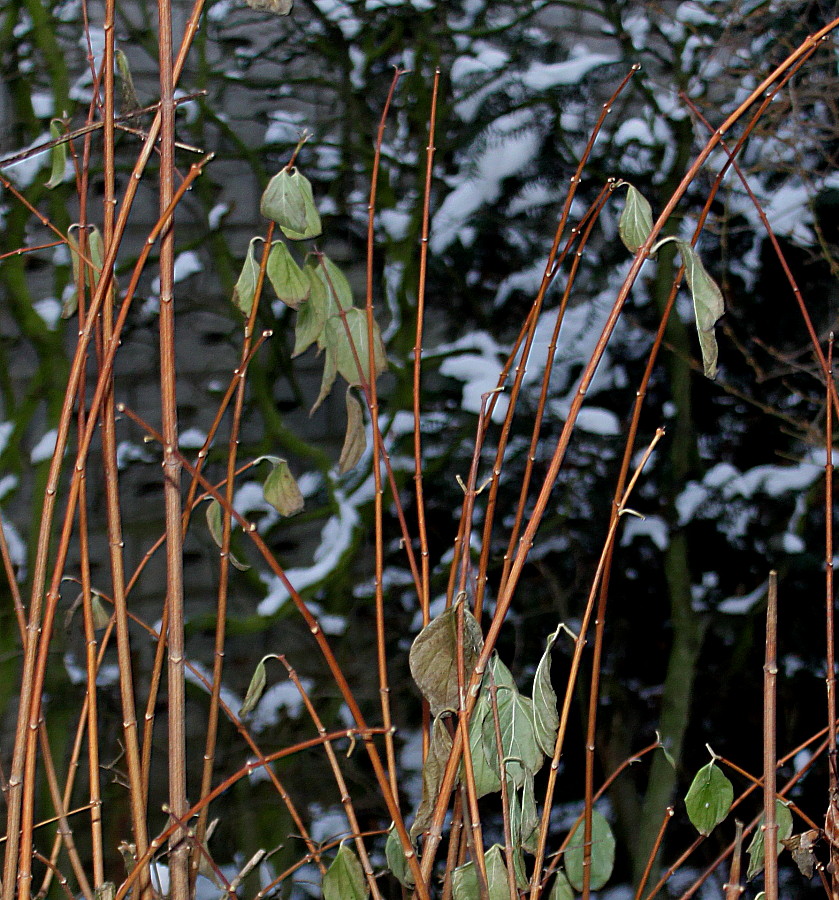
x=286, y=277
x=330, y=373
x=396, y=861
x=528, y=825
x=245, y=288
x=708, y=799
x=636, y=220
x=58, y=155
x=280, y=488
x=545, y=715
x=757, y=847
x=432, y=775
x=100, y=615
x=95, y=253
x=338, y=290
x=215, y=524
x=347, y=337
x=708, y=304
x=523, y=827
x=344, y=879
x=602, y=853
x=128, y=96
x=288, y=201
x=311, y=316
x=521, y=753
x=487, y=777
x=434, y=655
x=255, y=689
x=355, y=439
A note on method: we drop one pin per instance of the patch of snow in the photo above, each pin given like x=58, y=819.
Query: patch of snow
x=652, y=527
x=216, y=214
x=792, y=543
x=478, y=370
x=25, y=171
x=49, y=309
x=128, y=453
x=17, y=549
x=745, y=603
x=336, y=538
x=327, y=824
x=280, y=700
x=192, y=439
x=545, y=76
x=186, y=264
x=6, y=429
x=45, y=447
x=42, y=104
x=7, y=484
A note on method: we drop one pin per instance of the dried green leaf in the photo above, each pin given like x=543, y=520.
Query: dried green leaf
x=255, y=689
x=58, y=155
x=355, y=439
x=434, y=655
x=757, y=847
x=545, y=715
x=128, y=96
x=338, y=290
x=288, y=201
x=528, y=823
x=465, y=882
x=286, y=277
x=432, y=775
x=708, y=304
x=497, y=887
x=95, y=252
x=280, y=488
x=330, y=373
x=602, y=853
x=708, y=799
x=636, y=220
x=801, y=848
x=344, y=879
x=99, y=613
x=396, y=861
x=245, y=289
x=347, y=337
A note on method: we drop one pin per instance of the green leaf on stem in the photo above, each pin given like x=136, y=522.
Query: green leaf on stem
x=545, y=715
x=432, y=775
x=757, y=847
x=95, y=251
x=434, y=656
x=346, y=335
x=344, y=879
x=487, y=778
x=708, y=799
x=311, y=316
x=215, y=524
x=289, y=202
x=286, y=277
x=636, y=220
x=520, y=751
x=497, y=886
x=396, y=861
x=561, y=889
x=708, y=305
x=355, y=439
x=602, y=853
x=338, y=290
x=255, y=689
x=245, y=288
x=280, y=488
x=58, y=155
x=330, y=373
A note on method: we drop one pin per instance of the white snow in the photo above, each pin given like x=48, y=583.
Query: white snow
x=544, y=76
x=478, y=370
x=279, y=700
x=652, y=527
x=6, y=429
x=49, y=309
x=744, y=604
x=192, y=439
x=24, y=172
x=45, y=447
x=7, y=484
x=216, y=214
x=17, y=548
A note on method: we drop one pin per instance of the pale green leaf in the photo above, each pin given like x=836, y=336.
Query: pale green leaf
x=561, y=889
x=355, y=439
x=338, y=291
x=465, y=883
x=255, y=689
x=280, y=488
x=497, y=886
x=708, y=304
x=636, y=220
x=545, y=715
x=245, y=289
x=128, y=96
x=286, y=277
x=757, y=847
x=602, y=853
x=432, y=775
x=330, y=373
x=215, y=524
x=434, y=656
x=58, y=155
x=347, y=337
x=708, y=799
x=289, y=202
x=487, y=778
x=344, y=879
x=520, y=751
x=396, y=861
